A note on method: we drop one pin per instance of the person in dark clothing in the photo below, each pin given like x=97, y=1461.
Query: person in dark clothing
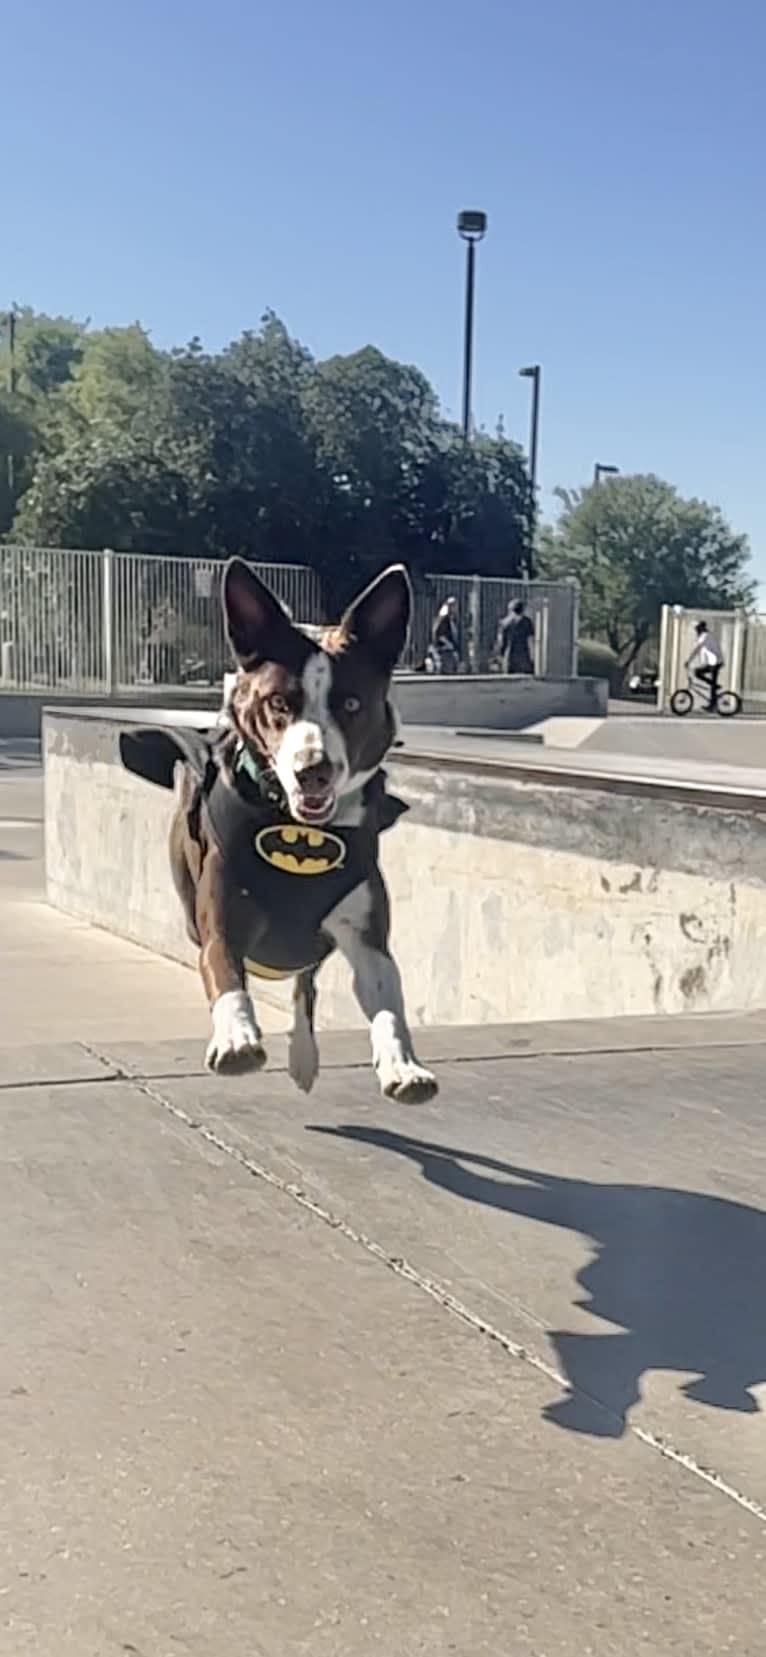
x=515, y=636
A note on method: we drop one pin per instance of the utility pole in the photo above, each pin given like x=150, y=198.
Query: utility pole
x=11, y=324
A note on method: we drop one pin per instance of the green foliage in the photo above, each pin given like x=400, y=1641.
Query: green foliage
x=635, y=544
x=344, y=465
x=48, y=349
x=595, y=660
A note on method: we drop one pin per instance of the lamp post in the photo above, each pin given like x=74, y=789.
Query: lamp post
x=534, y=373
x=601, y=471
x=471, y=227
x=11, y=324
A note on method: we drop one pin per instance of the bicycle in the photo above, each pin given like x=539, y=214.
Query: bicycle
x=696, y=695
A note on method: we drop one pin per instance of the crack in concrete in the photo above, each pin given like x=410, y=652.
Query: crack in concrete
x=430, y=1286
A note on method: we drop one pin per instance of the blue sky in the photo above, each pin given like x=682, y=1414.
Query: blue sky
x=190, y=165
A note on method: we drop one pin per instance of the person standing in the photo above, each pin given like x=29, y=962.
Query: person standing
x=515, y=639
x=445, y=637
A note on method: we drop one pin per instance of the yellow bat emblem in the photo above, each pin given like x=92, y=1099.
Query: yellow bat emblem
x=299, y=850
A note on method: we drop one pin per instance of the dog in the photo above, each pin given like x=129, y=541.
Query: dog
x=274, y=838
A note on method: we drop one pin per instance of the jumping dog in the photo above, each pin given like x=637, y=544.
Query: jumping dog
x=274, y=838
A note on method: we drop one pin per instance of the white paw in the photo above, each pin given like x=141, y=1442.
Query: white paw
x=235, y=1044
x=303, y=1058
x=406, y=1080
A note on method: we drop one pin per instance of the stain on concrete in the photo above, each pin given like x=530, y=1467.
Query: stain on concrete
x=606, y=885
x=692, y=927
x=692, y=982
x=632, y=885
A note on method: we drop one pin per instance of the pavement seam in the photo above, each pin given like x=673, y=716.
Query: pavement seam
x=431, y=1287
x=121, y=1074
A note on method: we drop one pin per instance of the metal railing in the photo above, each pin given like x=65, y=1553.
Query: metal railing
x=482, y=601
x=105, y=622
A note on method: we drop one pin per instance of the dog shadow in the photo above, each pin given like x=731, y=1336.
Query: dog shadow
x=681, y=1274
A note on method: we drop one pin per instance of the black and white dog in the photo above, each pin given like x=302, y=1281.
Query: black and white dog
x=274, y=842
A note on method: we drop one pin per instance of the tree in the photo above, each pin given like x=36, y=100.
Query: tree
x=19, y=442
x=343, y=465
x=104, y=489
x=489, y=514
x=634, y=544
x=48, y=350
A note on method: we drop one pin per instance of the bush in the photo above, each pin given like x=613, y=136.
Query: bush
x=598, y=661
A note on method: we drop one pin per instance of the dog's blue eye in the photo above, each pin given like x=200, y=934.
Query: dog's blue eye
x=352, y=704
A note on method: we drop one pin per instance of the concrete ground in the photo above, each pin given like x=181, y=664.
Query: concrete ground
x=666, y=756
x=287, y=1376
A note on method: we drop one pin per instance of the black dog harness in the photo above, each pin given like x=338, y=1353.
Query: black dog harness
x=284, y=878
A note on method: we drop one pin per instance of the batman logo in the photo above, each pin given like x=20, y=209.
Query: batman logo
x=298, y=850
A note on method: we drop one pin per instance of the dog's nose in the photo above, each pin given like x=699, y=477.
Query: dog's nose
x=314, y=778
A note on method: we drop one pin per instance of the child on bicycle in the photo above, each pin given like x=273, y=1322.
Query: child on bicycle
x=707, y=653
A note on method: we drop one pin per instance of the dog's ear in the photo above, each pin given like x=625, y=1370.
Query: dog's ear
x=379, y=618
x=256, y=624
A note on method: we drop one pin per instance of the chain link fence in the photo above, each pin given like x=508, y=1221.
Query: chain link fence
x=102, y=622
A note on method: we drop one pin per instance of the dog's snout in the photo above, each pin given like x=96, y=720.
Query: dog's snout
x=315, y=775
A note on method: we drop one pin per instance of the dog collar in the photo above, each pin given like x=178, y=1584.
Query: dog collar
x=265, y=779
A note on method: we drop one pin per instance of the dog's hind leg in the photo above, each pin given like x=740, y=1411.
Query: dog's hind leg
x=303, y=1054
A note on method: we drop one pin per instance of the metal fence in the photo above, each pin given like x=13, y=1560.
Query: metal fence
x=102, y=622
x=105, y=621
x=482, y=601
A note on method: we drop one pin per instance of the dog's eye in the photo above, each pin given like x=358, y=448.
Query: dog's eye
x=352, y=704
x=278, y=704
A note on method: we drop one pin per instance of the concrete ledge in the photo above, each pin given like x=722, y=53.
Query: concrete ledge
x=496, y=700
x=512, y=899
x=21, y=711
x=490, y=700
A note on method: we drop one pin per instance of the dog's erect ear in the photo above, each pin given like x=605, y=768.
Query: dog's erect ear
x=379, y=618
x=255, y=621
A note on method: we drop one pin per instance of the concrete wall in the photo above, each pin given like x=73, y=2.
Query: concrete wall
x=423, y=699
x=511, y=900
x=494, y=700
x=21, y=711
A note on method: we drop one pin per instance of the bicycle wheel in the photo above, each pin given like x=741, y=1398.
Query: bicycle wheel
x=681, y=703
x=728, y=704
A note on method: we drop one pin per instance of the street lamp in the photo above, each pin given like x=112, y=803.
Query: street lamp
x=600, y=471
x=471, y=226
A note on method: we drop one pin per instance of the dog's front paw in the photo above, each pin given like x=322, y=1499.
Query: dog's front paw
x=235, y=1045
x=406, y=1080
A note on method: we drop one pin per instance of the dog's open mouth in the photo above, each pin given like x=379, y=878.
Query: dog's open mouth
x=314, y=808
